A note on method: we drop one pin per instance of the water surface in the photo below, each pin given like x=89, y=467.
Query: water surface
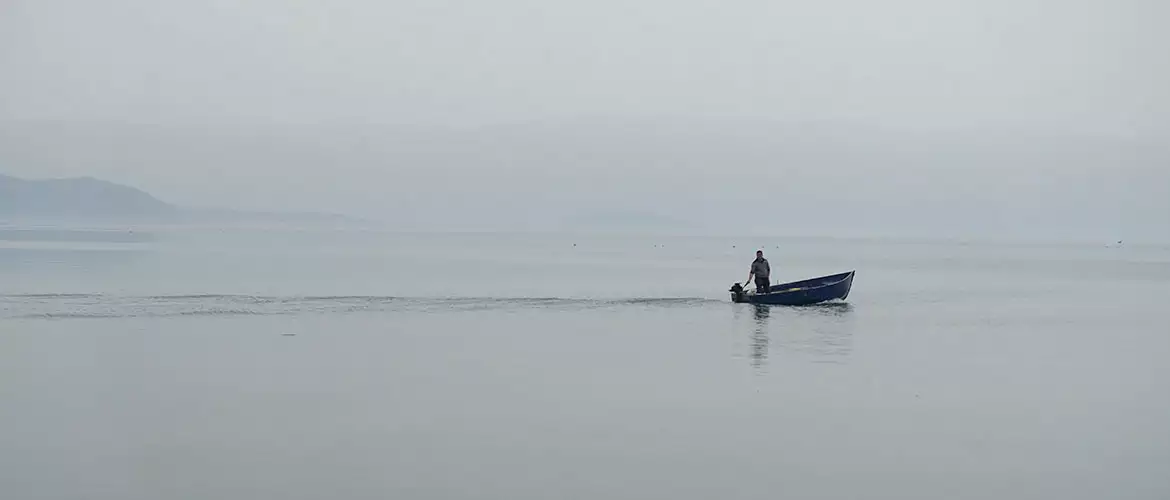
x=240, y=365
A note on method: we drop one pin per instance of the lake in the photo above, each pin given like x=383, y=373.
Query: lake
x=232, y=364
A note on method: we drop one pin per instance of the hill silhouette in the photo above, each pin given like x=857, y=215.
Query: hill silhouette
x=78, y=197
x=90, y=199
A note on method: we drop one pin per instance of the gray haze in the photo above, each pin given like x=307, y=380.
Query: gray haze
x=1018, y=118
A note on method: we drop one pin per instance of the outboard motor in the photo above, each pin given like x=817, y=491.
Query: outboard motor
x=737, y=293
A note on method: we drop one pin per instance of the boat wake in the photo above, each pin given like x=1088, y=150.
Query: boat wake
x=103, y=306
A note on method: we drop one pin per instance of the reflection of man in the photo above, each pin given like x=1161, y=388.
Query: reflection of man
x=762, y=271
x=760, y=339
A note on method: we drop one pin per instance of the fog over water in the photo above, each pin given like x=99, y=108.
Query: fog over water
x=559, y=196
x=997, y=118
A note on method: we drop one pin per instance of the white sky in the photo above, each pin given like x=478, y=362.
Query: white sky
x=682, y=106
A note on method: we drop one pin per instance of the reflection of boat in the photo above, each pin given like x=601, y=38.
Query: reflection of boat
x=798, y=293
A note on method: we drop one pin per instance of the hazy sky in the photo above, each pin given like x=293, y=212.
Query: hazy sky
x=1097, y=65
x=350, y=105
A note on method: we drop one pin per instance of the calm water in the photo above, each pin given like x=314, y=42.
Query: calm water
x=301, y=365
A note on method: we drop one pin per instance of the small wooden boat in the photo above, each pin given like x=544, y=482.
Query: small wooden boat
x=798, y=293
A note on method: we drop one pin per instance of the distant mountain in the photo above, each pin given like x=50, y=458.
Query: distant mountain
x=78, y=197
x=89, y=199
x=235, y=218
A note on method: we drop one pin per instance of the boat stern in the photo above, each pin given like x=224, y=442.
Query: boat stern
x=738, y=294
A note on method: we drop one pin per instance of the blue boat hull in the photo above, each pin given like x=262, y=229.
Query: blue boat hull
x=799, y=293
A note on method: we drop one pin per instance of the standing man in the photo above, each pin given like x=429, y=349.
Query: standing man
x=762, y=271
